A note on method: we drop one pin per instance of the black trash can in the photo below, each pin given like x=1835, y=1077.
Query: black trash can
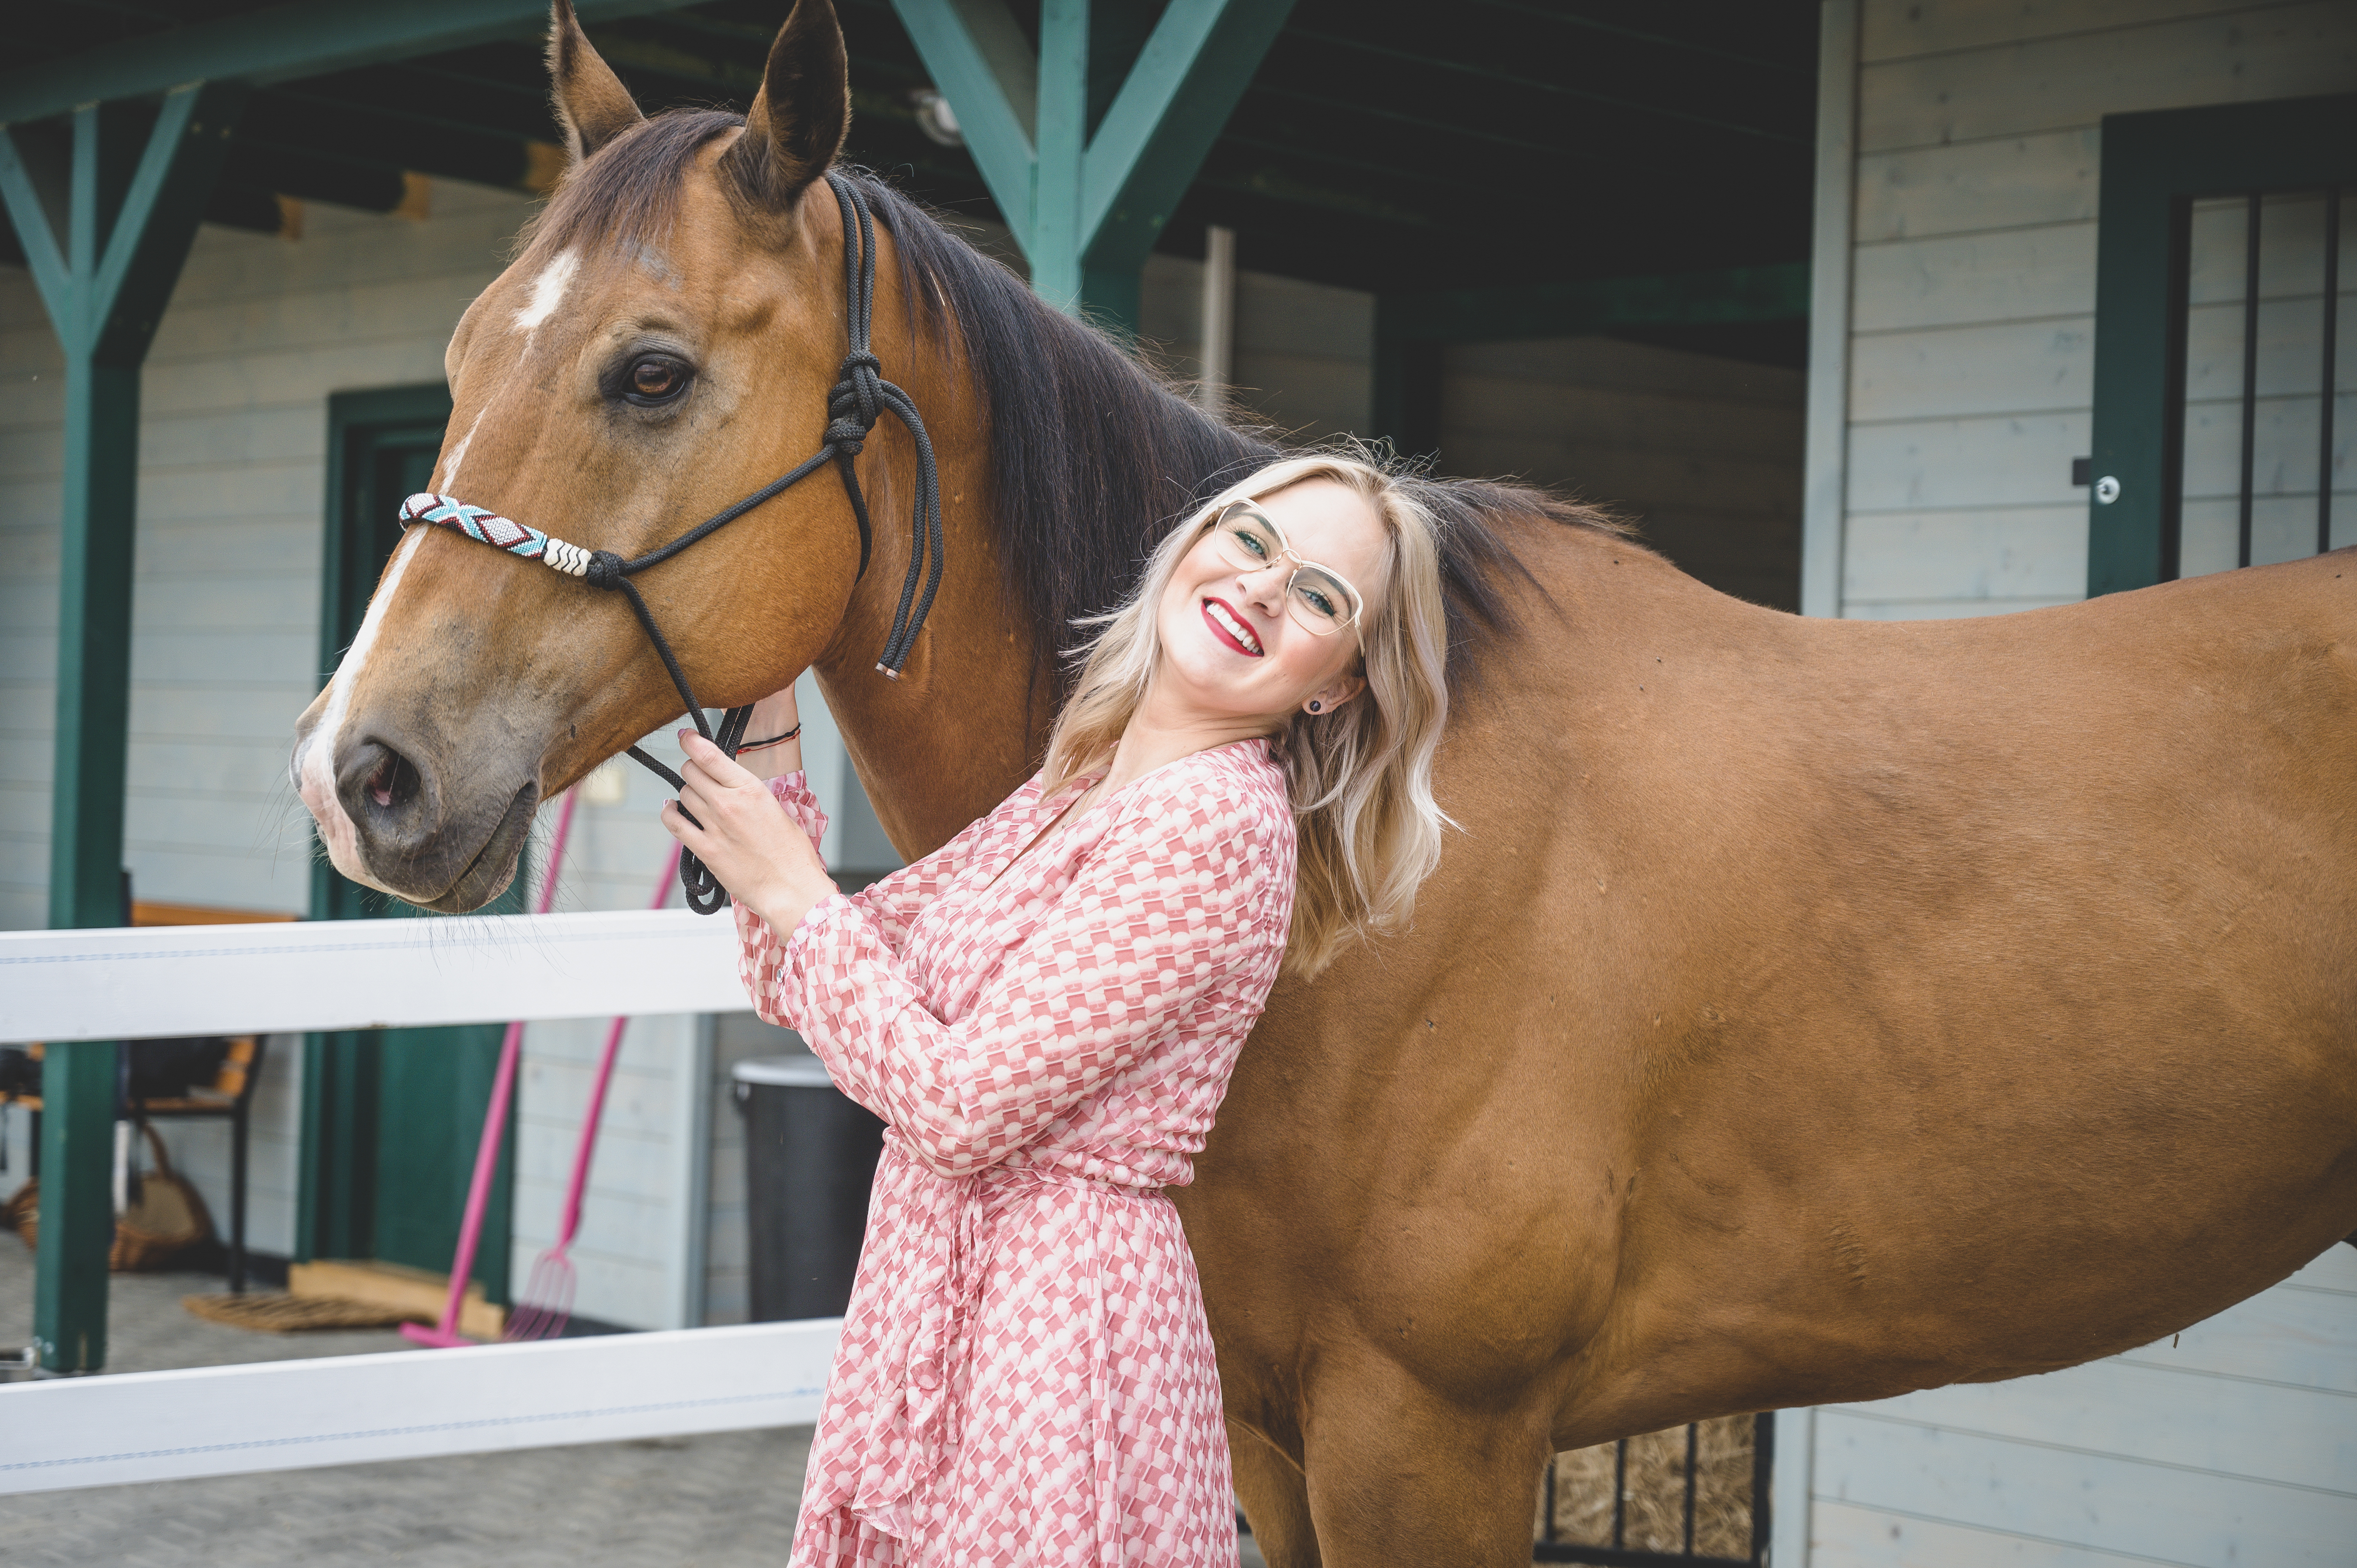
x=810, y=1159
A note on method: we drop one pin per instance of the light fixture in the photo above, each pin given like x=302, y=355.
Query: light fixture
x=935, y=118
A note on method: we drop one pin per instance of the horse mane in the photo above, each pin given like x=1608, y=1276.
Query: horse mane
x=1093, y=457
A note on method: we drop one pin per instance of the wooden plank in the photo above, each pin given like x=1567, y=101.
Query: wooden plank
x=2012, y=274
x=1637, y=478
x=1987, y=553
x=1611, y=364
x=358, y=974
x=2291, y=332
x=2076, y=1498
x=1845, y=1535
x=1944, y=609
x=2307, y=1339
x=2226, y=1425
x=1475, y=407
x=1929, y=465
x=345, y=1410
x=419, y=1293
x=1898, y=28
x=2018, y=182
x=2049, y=84
x=2004, y=367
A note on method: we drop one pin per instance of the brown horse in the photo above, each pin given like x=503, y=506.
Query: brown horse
x=1807, y=1011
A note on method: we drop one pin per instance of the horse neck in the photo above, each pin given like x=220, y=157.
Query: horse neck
x=967, y=720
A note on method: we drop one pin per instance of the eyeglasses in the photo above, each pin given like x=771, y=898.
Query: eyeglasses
x=1320, y=599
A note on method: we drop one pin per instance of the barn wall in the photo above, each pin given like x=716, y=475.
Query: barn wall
x=1971, y=308
x=1703, y=452
x=1951, y=386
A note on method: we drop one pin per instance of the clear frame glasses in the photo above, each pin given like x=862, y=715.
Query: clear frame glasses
x=1320, y=600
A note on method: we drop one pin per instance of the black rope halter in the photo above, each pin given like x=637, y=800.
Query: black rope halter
x=859, y=399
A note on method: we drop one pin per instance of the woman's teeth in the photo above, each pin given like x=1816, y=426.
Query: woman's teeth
x=1228, y=623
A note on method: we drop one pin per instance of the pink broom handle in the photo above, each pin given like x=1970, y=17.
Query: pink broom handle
x=581, y=1153
x=495, y=1122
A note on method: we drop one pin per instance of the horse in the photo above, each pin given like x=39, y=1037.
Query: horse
x=1803, y=1010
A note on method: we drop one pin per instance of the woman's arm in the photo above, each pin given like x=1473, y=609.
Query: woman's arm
x=1169, y=914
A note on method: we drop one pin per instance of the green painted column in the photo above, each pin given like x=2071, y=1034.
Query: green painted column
x=133, y=195
x=1085, y=150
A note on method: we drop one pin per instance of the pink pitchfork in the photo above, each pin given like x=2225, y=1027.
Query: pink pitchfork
x=444, y=1335
x=545, y=1304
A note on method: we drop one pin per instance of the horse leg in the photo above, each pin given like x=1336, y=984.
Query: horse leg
x=1276, y=1496
x=1401, y=1478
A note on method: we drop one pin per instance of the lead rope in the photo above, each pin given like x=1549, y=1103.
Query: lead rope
x=858, y=400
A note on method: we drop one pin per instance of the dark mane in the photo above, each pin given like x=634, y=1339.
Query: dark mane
x=1092, y=456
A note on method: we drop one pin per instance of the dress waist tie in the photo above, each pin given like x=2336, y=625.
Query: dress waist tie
x=933, y=1297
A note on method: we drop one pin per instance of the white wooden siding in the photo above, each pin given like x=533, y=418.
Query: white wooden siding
x=1972, y=350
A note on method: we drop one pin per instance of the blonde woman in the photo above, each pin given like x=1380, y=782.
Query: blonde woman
x=1046, y=1010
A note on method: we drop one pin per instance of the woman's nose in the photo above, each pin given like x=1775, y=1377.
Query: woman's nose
x=1265, y=585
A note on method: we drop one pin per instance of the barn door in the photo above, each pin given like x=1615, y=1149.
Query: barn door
x=2224, y=380
x=391, y=1117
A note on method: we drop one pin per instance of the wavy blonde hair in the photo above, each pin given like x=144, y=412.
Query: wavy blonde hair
x=1360, y=778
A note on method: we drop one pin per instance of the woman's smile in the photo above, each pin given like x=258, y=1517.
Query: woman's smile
x=1230, y=626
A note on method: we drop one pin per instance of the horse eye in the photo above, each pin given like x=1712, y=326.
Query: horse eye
x=655, y=379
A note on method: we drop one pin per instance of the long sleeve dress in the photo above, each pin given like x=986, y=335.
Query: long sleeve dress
x=1024, y=1376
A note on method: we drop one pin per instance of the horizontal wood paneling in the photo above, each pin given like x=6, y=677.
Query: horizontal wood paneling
x=1998, y=461
x=1938, y=26
x=1849, y=1536
x=2010, y=275
x=2016, y=182
x=1983, y=552
x=2079, y=1497
x=2003, y=368
x=2011, y=89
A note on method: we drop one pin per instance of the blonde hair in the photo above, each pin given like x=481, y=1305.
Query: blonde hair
x=1360, y=778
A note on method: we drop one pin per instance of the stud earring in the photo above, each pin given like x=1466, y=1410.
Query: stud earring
x=1316, y=707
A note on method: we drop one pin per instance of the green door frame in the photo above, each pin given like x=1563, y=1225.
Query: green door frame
x=342, y=1204
x=1086, y=173
x=2154, y=166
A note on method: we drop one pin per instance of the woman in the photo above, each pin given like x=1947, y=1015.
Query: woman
x=1046, y=1009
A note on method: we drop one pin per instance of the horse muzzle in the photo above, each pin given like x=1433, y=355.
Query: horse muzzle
x=394, y=819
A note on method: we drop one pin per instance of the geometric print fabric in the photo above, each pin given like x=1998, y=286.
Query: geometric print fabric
x=1025, y=1375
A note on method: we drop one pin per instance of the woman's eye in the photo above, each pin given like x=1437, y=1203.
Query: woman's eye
x=1253, y=541
x=656, y=378
x=1319, y=602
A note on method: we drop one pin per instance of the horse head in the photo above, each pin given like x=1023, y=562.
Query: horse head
x=663, y=344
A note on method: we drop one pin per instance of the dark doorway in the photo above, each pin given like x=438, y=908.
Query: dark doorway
x=391, y=1117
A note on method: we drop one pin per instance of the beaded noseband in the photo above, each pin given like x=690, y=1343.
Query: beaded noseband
x=857, y=403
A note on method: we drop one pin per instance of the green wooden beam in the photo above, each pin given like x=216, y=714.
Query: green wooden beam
x=1087, y=204
x=129, y=221
x=2155, y=165
x=301, y=39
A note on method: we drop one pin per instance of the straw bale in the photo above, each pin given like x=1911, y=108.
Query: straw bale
x=1655, y=1512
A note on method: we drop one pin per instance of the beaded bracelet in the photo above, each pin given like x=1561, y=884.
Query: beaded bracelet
x=773, y=740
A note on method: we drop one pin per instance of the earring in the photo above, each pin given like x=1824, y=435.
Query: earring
x=1316, y=707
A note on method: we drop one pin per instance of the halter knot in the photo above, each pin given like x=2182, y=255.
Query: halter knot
x=605, y=570
x=848, y=435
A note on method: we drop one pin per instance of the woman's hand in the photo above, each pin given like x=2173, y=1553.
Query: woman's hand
x=754, y=850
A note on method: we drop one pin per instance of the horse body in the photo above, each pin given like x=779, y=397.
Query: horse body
x=1805, y=1011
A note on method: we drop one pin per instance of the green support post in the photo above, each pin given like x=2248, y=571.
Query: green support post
x=1087, y=201
x=129, y=223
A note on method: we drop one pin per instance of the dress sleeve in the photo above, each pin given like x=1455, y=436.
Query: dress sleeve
x=893, y=902
x=1170, y=913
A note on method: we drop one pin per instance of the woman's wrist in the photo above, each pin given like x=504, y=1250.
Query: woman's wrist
x=776, y=722
x=784, y=899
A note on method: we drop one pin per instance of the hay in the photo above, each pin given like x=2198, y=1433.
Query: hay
x=1654, y=1520
x=278, y=1313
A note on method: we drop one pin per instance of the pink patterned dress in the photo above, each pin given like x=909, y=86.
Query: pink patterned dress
x=1025, y=1376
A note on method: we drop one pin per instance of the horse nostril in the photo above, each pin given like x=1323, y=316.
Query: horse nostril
x=394, y=782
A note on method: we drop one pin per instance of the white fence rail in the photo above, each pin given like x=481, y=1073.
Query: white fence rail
x=127, y=984
x=346, y=974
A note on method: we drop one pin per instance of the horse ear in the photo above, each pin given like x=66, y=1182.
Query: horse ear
x=592, y=104
x=799, y=118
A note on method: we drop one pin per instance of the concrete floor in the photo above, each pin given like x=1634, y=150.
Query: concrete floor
x=716, y=1501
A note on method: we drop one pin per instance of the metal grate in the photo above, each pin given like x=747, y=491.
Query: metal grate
x=1715, y=1504
x=2262, y=443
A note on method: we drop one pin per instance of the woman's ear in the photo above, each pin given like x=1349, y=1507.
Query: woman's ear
x=1333, y=694
x=591, y=103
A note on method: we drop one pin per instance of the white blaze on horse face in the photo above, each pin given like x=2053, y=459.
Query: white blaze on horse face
x=315, y=758
x=548, y=291
x=447, y=479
